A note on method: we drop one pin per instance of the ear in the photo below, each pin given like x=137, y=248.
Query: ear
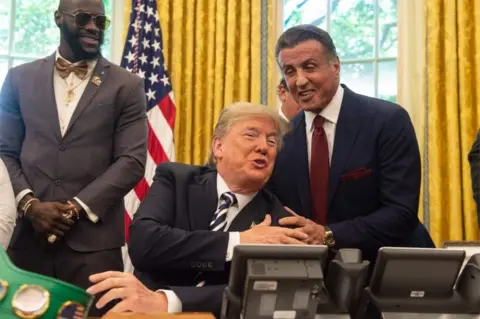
x=217, y=148
x=58, y=18
x=336, y=65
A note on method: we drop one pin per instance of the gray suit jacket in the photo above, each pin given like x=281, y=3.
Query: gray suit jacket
x=99, y=159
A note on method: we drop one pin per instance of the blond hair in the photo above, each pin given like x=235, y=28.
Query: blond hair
x=241, y=111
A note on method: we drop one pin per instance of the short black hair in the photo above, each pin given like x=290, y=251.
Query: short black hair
x=304, y=32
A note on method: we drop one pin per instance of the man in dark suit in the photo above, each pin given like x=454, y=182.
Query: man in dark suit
x=73, y=136
x=289, y=107
x=183, y=234
x=474, y=159
x=351, y=164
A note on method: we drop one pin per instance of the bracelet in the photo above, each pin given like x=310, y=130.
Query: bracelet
x=28, y=204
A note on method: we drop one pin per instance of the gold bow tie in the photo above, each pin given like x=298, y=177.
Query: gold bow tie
x=64, y=68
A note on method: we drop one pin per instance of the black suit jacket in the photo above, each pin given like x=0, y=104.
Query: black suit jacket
x=170, y=243
x=474, y=158
x=99, y=159
x=374, y=180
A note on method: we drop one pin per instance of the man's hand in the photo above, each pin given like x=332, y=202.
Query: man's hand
x=47, y=217
x=134, y=295
x=78, y=208
x=314, y=231
x=263, y=233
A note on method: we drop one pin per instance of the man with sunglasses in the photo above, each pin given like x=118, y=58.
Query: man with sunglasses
x=73, y=137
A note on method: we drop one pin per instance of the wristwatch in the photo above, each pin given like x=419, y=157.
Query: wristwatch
x=328, y=238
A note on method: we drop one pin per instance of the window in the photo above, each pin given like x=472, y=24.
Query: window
x=28, y=32
x=365, y=34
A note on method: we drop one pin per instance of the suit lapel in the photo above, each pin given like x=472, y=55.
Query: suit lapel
x=100, y=74
x=252, y=213
x=299, y=160
x=49, y=102
x=348, y=125
x=203, y=190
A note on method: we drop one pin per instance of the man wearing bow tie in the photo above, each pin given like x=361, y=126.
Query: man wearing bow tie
x=73, y=136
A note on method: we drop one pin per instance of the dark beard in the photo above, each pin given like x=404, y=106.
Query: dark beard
x=72, y=38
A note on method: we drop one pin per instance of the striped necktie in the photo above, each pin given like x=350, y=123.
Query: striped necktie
x=219, y=220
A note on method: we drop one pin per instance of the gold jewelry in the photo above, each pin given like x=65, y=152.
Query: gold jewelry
x=28, y=204
x=328, y=238
x=52, y=237
x=70, y=94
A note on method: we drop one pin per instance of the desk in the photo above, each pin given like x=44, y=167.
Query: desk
x=156, y=316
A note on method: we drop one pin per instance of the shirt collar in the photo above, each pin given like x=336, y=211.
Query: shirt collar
x=91, y=63
x=280, y=112
x=330, y=112
x=242, y=199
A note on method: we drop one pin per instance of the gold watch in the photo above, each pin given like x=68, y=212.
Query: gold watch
x=328, y=238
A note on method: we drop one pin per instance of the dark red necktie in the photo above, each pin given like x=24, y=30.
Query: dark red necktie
x=319, y=169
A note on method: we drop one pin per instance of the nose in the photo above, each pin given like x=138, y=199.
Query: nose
x=91, y=26
x=262, y=146
x=301, y=80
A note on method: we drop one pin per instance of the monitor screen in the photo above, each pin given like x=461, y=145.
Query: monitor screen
x=415, y=272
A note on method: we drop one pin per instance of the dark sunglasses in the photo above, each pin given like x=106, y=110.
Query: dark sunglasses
x=81, y=19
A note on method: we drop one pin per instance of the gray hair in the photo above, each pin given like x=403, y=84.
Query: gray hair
x=240, y=111
x=304, y=32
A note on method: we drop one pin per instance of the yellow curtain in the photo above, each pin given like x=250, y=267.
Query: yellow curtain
x=453, y=85
x=411, y=75
x=212, y=51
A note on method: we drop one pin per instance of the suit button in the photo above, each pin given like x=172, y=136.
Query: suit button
x=192, y=264
x=199, y=265
x=57, y=183
x=210, y=265
x=62, y=148
x=204, y=265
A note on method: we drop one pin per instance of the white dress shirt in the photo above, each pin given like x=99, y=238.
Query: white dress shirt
x=8, y=210
x=174, y=303
x=280, y=112
x=65, y=111
x=330, y=113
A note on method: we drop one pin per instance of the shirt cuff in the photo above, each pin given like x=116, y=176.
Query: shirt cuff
x=233, y=240
x=22, y=194
x=174, y=304
x=91, y=215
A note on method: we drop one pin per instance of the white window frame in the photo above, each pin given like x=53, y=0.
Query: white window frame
x=376, y=58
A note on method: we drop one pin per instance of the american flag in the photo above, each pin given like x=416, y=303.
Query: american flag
x=143, y=55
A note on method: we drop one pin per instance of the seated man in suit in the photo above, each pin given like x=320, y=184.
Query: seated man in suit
x=350, y=166
x=474, y=159
x=183, y=234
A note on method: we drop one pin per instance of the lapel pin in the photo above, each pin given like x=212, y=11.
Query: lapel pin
x=96, y=80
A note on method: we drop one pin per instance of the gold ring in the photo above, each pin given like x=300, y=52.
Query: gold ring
x=52, y=238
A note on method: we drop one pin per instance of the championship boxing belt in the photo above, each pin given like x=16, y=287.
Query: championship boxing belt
x=28, y=295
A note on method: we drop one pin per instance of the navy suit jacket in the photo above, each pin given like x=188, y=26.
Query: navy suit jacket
x=170, y=243
x=374, y=180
